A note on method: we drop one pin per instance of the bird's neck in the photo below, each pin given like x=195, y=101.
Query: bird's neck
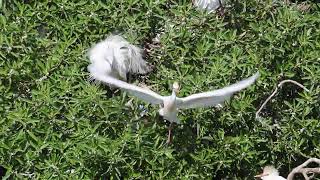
x=170, y=103
x=172, y=100
x=173, y=95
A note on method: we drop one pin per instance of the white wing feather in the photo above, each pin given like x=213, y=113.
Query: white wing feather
x=144, y=94
x=215, y=97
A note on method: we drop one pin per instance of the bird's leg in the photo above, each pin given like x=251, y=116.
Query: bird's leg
x=221, y=11
x=169, y=133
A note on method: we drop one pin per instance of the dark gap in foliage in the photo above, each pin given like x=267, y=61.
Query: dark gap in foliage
x=60, y=115
x=183, y=136
x=142, y=78
x=27, y=1
x=185, y=139
x=3, y=171
x=19, y=86
x=291, y=91
x=243, y=171
x=42, y=29
x=110, y=92
x=149, y=44
x=234, y=20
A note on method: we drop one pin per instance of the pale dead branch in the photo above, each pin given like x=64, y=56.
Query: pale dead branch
x=276, y=90
x=304, y=170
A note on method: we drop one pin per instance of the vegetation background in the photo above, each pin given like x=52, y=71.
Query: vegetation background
x=54, y=124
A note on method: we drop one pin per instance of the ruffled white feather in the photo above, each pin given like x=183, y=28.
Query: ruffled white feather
x=116, y=57
x=270, y=173
x=209, y=5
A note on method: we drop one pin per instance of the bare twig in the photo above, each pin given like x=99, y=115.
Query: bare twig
x=276, y=90
x=305, y=171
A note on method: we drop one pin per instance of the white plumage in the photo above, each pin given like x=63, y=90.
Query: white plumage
x=209, y=5
x=169, y=105
x=116, y=57
x=270, y=173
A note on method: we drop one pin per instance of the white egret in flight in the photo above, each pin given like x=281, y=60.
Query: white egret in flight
x=270, y=173
x=169, y=105
x=116, y=57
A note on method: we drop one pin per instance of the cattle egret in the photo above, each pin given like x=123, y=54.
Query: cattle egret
x=116, y=57
x=270, y=173
x=169, y=105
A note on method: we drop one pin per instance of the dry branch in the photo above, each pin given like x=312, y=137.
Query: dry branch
x=305, y=171
x=276, y=90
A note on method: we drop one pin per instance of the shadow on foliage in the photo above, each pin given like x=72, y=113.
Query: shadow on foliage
x=3, y=171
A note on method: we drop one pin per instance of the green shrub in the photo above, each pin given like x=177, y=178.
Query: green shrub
x=55, y=124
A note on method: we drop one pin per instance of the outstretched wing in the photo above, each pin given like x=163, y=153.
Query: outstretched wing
x=215, y=97
x=144, y=94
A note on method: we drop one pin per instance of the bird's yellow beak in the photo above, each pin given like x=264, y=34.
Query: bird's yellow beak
x=261, y=175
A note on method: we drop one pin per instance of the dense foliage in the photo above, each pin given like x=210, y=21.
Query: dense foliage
x=55, y=124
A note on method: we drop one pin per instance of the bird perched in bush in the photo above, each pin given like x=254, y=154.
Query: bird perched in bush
x=270, y=173
x=116, y=57
x=169, y=105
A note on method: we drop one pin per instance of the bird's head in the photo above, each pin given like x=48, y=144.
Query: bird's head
x=267, y=171
x=175, y=88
